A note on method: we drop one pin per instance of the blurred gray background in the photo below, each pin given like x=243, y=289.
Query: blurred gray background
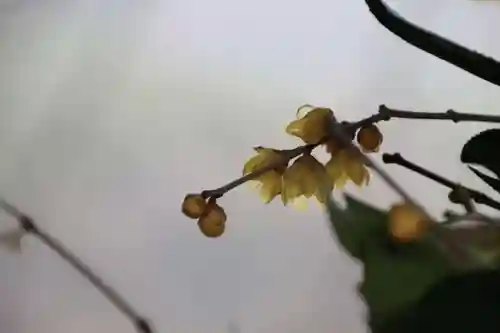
x=110, y=111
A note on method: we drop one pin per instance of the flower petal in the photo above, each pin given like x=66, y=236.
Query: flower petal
x=253, y=164
x=265, y=157
x=341, y=182
x=312, y=127
x=356, y=171
x=336, y=167
x=294, y=179
x=300, y=203
x=270, y=186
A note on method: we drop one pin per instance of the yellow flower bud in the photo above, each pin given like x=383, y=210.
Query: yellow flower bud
x=307, y=178
x=369, y=138
x=312, y=128
x=407, y=223
x=213, y=221
x=193, y=205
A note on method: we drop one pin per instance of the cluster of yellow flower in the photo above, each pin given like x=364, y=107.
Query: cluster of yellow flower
x=306, y=177
x=295, y=174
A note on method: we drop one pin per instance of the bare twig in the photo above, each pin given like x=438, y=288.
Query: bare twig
x=112, y=295
x=385, y=113
x=477, y=196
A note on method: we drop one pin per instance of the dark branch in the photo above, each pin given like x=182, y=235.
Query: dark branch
x=477, y=196
x=28, y=225
x=471, y=61
x=385, y=114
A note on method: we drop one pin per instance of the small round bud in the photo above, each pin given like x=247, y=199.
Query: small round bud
x=193, y=205
x=213, y=222
x=406, y=223
x=369, y=138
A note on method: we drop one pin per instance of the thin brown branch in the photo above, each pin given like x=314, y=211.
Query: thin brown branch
x=112, y=295
x=385, y=114
x=476, y=196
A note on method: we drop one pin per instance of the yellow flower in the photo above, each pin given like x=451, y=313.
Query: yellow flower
x=347, y=165
x=312, y=128
x=265, y=157
x=306, y=177
x=269, y=183
x=369, y=138
x=193, y=205
x=212, y=223
x=407, y=223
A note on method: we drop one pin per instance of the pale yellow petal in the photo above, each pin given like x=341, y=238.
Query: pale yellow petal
x=309, y=180
x=253, y=164
x=296, y=128
x=265, y=157
x=303, y=110
x=271, y=186
x=341, y=181
x=253, y=184
x=290, y=191
x=356, y=172
x=293, y=180
x=336, y=166
x=312, y=127
x=300, y=203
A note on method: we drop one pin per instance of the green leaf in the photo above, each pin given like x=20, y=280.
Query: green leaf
x=462, y=303
x=345, y=223
x=395, y=275
x=484, y=149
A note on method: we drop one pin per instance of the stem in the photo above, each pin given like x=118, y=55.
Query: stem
x=112, y=295
x=385, y=114
x=477, y=196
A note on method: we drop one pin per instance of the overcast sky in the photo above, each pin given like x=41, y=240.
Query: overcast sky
x=110, y=111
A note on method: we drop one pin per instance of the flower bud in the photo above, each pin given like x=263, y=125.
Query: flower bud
x=193, y=205
x=369, y=138
x=407, y=223
x=213, y=222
